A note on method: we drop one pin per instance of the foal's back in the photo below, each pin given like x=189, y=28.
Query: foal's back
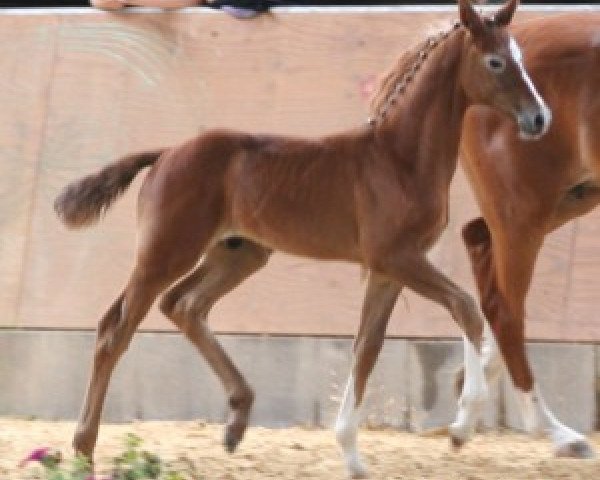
x=292, y=194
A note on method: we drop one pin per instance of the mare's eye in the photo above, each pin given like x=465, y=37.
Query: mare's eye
x=495, y=63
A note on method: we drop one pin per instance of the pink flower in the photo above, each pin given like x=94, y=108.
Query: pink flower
x=37, y=455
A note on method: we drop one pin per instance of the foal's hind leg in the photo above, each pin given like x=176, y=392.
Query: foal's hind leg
x=379, y=302
x=187, y=304
x=114, y=334
x=169, y=245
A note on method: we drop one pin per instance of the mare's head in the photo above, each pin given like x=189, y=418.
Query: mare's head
x=492, y=71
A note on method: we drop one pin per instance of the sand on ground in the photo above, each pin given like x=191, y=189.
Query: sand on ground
x=305, y=453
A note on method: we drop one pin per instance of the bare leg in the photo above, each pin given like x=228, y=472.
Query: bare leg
x=377, y=307
x=507, y=323
x=113, y=337
x=168, y=246
x=187, y=305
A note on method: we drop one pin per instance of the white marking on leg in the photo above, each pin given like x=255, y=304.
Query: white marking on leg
x=538, y=419
x=473, y=396
x=529, y=412
x=493, y=363
x=346, y=428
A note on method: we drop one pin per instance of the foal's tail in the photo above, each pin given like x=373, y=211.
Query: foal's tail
x=83, y=201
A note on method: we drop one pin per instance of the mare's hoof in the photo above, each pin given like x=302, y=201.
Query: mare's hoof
x=576, y=449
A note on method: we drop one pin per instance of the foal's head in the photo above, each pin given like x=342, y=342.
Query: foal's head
x=492, y=71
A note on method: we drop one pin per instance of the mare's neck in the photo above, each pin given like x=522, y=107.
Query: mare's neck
x=422, y=132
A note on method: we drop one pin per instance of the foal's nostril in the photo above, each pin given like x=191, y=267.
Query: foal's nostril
x=539, y=121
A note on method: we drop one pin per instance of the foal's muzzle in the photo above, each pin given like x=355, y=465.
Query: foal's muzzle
x=534, y=123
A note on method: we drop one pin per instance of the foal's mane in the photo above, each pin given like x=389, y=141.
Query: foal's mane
x=395, y=81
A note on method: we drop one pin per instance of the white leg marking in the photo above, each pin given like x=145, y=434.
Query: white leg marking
x=529, y=412
x=473, y=396
x=493, y=363
x=538, y=419
x=346, y=428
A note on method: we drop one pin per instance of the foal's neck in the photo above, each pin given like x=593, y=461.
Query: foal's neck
x=422, y=132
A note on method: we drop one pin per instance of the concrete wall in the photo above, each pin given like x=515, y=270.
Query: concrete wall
x=79, y=89
x=297, y=380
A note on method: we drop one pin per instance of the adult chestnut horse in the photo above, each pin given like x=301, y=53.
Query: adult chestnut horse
x=376, y=195
x=527, y=189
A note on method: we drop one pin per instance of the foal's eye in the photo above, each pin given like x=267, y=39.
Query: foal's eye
x=494, y=63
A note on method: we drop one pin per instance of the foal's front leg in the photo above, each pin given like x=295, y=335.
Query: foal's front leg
x=379, y=302
x=416, y=272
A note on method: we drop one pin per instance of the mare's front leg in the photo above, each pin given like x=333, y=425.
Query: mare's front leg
x=379, y=302
x=503, y=275
x=413, y=269
x=188, y=303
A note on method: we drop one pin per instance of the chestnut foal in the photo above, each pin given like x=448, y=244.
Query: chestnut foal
x=212, y=209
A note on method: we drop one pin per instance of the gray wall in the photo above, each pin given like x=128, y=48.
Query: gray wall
x=298, y=380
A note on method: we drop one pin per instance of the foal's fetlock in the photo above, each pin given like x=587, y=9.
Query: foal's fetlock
x=240, y=405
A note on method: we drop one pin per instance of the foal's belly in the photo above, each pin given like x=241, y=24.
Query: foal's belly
x=320, y=225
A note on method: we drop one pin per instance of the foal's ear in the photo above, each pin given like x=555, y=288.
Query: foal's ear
x=470, y=18
x=503, y=16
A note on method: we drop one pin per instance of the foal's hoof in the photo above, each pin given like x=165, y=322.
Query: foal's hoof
x=457, y=438
x=456, y=443
x=234, y=433
x=83, y=447
x=576, y=449
x=230, y=442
